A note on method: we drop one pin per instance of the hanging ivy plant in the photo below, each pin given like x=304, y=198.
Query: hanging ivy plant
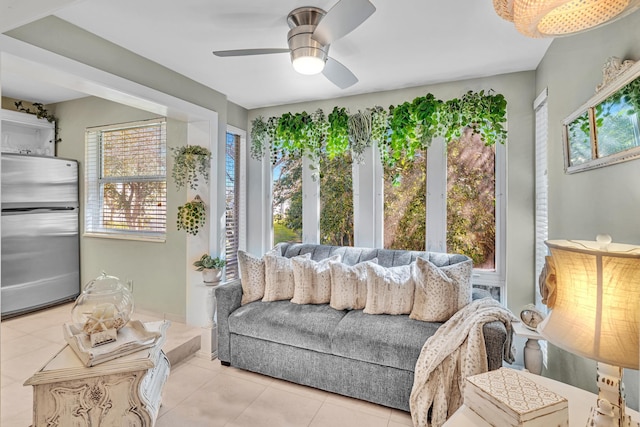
x=338, y=132
x=192, y=216
x=259, y=138
x=426, y=112
x=484, y=113
x=189, y=162
x=41, y=113
x=400, y=131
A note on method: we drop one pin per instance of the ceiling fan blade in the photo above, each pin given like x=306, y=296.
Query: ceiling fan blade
x=248, y=52
x=344, y=17
x=338, y=74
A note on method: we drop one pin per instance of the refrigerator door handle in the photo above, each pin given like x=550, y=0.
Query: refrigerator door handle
x=37, y=210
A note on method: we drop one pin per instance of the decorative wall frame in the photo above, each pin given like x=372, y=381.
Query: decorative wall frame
x=606, y=129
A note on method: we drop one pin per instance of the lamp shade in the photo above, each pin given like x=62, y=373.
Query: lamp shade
x=551, y=18
x=595, y=303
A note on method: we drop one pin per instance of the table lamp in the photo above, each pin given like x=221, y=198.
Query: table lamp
x=593, y=291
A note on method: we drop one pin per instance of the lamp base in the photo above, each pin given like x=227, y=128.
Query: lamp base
x=610, y=408
x=597, y=420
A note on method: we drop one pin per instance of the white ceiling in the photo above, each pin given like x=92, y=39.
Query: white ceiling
x=404, y=43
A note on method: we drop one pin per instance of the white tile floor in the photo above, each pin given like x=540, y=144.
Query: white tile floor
x=198, y=393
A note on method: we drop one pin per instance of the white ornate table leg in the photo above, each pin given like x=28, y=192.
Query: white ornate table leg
x=533, y=356
x=211, y=307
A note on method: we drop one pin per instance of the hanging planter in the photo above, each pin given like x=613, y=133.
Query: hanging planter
x=192, y=216
x=189, y=162
x=359, y=128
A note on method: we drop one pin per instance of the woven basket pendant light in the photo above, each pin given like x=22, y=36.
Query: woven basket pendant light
x=552, y=18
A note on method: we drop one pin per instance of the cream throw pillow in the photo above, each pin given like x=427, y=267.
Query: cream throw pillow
x=251, y=277
x=278, y=277
x=440, y=291
x=389, y=290
x=312, y=280
x=349, y=285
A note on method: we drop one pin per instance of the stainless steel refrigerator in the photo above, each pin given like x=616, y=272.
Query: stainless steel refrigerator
x=40, y=243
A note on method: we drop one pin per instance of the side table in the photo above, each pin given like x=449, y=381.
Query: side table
x=121, y=392
x=580, y=403
x=532, y=352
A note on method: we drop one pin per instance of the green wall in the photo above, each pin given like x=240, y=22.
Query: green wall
x=157, y=269
x=600, y=201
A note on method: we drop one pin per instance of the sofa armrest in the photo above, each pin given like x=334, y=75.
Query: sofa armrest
x=495, y=340
x=228, y=297
x=477, y=293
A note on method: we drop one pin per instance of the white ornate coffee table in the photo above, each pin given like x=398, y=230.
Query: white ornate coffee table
x=121, y=392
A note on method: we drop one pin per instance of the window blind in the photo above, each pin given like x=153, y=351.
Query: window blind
x=125, y=180
x=232, y=193
x=542, y=196
x=541, y=215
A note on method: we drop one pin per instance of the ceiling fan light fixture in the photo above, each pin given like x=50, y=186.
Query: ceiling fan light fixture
x=307, y=55
x=553, y=18
x=308, y=65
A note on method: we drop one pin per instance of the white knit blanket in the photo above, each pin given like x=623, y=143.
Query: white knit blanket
x=456, y=351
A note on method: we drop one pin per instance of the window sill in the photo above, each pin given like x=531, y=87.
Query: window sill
x=136, y=237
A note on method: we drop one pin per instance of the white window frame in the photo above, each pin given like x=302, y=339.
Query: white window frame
x=94, y=190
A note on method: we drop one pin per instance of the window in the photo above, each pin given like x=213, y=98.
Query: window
x=430, y=203
x=336, y=201
x=232, y=182
x=471, y=197
x=287, y=200
x=235, y=199
x=125, y=181
x=405, y=204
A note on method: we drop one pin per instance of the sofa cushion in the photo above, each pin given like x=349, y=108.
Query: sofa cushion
x=383, y=339
x=278, y=277
x=312, y=280
x=349, y=285
x=304, y=326
x=389, y=290
x=440, y=291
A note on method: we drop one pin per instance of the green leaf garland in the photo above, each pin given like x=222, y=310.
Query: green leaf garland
x=399, y=131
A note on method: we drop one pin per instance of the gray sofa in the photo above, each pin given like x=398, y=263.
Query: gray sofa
x=368, y=357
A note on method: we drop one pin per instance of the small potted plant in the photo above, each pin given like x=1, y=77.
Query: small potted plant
x=211, y=268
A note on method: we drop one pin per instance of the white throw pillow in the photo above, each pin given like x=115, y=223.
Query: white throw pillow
x=389, y=290
x=312, y=280
x=278, y=277
x=440, y=291
x=349, y=285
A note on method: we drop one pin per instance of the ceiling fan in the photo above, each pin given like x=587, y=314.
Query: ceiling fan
x=311, y=32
